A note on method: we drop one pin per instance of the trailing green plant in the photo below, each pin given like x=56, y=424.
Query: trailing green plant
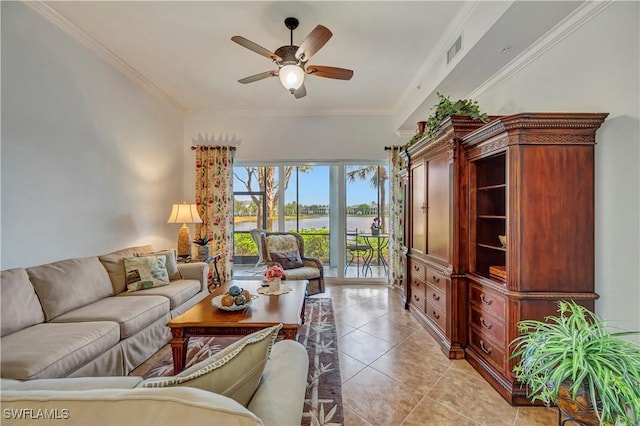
x=576, y=349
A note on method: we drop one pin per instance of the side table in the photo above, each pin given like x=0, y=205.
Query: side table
x=213, y=279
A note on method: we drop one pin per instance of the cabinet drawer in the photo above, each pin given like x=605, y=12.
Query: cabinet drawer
x=437, y=316
x=436, y=297
x=491, y=351
x=418, y=289
x=488, y=300
x=437, y=279
x=417, y=269
x=486, y=322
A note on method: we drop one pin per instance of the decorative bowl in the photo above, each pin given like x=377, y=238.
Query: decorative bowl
x=503, y=240
x=216, y=301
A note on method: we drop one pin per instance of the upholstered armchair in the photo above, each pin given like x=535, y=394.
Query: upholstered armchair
x=287, y=250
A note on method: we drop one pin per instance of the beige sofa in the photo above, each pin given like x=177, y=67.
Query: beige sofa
x=251, y=382
x=74, y=317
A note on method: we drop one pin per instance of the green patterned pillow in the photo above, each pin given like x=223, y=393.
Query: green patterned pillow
x=145, y=272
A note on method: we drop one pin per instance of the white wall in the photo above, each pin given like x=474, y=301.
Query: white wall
x=596, y=69
x=91, y=160
x=264, y=138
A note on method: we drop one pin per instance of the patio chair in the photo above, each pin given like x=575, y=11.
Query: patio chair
x=357, y=250
x=255, y=234
x=287, y=250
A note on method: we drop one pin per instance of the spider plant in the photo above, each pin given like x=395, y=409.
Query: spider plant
x=574, y=350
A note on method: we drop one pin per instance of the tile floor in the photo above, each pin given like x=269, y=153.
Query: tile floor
x=393, y=372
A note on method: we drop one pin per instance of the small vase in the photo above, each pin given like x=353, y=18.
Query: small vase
x=274, y=285
x=203, y=253
x=375, y=231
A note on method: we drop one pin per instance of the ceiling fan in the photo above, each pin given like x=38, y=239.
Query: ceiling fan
x=292, y=60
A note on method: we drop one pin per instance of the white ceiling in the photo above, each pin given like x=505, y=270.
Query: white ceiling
x=184, y=48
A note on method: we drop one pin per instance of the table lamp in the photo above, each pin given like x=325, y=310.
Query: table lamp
x=184, y=213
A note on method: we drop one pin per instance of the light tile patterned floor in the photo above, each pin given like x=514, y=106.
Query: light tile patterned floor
x=393, y=372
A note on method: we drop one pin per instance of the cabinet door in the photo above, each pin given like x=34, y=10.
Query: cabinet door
x=418, y=210
x=438, y=202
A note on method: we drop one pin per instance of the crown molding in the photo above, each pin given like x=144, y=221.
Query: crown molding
x=81, y=36
x=583, y=14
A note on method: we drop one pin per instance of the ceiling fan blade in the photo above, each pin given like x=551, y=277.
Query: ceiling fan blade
x=314, y=42
x=256, y=48
x=257, y=77
x=301, y=92
x=330, y=72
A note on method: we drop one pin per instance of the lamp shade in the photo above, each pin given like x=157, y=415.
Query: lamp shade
x=184, y=213
x=291, y=77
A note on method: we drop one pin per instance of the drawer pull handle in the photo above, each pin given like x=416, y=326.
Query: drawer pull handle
x=485, y=325
x=484, y=300
x=436, y=279
x=416, y=298
x=484, y=348
x=416, y=268
x=436, y=297
x=436, y=315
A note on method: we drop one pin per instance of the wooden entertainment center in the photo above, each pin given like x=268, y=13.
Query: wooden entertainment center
x=526, y=177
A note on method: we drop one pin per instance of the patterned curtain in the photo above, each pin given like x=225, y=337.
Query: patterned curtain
x=214, y=198
x=396, y=218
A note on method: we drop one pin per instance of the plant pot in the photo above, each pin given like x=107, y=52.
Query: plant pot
x=203, y=252
x=580, y=408
x=375, y=231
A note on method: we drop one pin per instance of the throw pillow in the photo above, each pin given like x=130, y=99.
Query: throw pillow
x=288, y=260
x=145, y=272
x=171, y=262
x=234, y=372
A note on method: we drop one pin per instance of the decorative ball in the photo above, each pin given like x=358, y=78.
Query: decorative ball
x=240, y=300
x=227, y=300
x=246, y=294
x=234, y=290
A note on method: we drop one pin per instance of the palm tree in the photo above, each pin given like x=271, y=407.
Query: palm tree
x=377, y=176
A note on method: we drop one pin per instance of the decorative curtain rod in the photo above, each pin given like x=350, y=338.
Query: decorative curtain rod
x=393, y=148
x=208, y=147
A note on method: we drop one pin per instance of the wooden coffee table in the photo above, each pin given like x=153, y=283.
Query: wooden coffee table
x=203, y=319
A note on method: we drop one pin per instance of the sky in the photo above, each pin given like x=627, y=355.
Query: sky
x=314, y=188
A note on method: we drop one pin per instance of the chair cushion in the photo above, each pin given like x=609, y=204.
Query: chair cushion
x=69, y=284
x=142, y=272
x=171, y=262
x=281, y=244
x=177, y=292
x=132, y=315
x=55, y=350
x=234, y=371
x=288, y=260
x=304, y=273
x=19, y=304
x=114, y=264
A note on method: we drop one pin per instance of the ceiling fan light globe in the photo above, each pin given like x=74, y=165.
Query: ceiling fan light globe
x=291, y=77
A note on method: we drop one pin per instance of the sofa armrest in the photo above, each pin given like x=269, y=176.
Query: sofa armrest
x=140, y=406
x=279, y=399
x=195, y=271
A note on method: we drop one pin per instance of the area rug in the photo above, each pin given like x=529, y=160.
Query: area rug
x=323, y=399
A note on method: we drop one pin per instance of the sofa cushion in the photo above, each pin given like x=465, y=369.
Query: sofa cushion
x=132, y=315
x=55, y=350
x=19, y=304
x=304, y=273
x=235, y=371
x=114, y=264
x=288, y=260
x=177, y=292
x=129, y=407
x=142, y=272
x=68, y=284
x=171, y=262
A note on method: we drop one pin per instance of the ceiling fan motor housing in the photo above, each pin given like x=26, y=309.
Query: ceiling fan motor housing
x=288, y=54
